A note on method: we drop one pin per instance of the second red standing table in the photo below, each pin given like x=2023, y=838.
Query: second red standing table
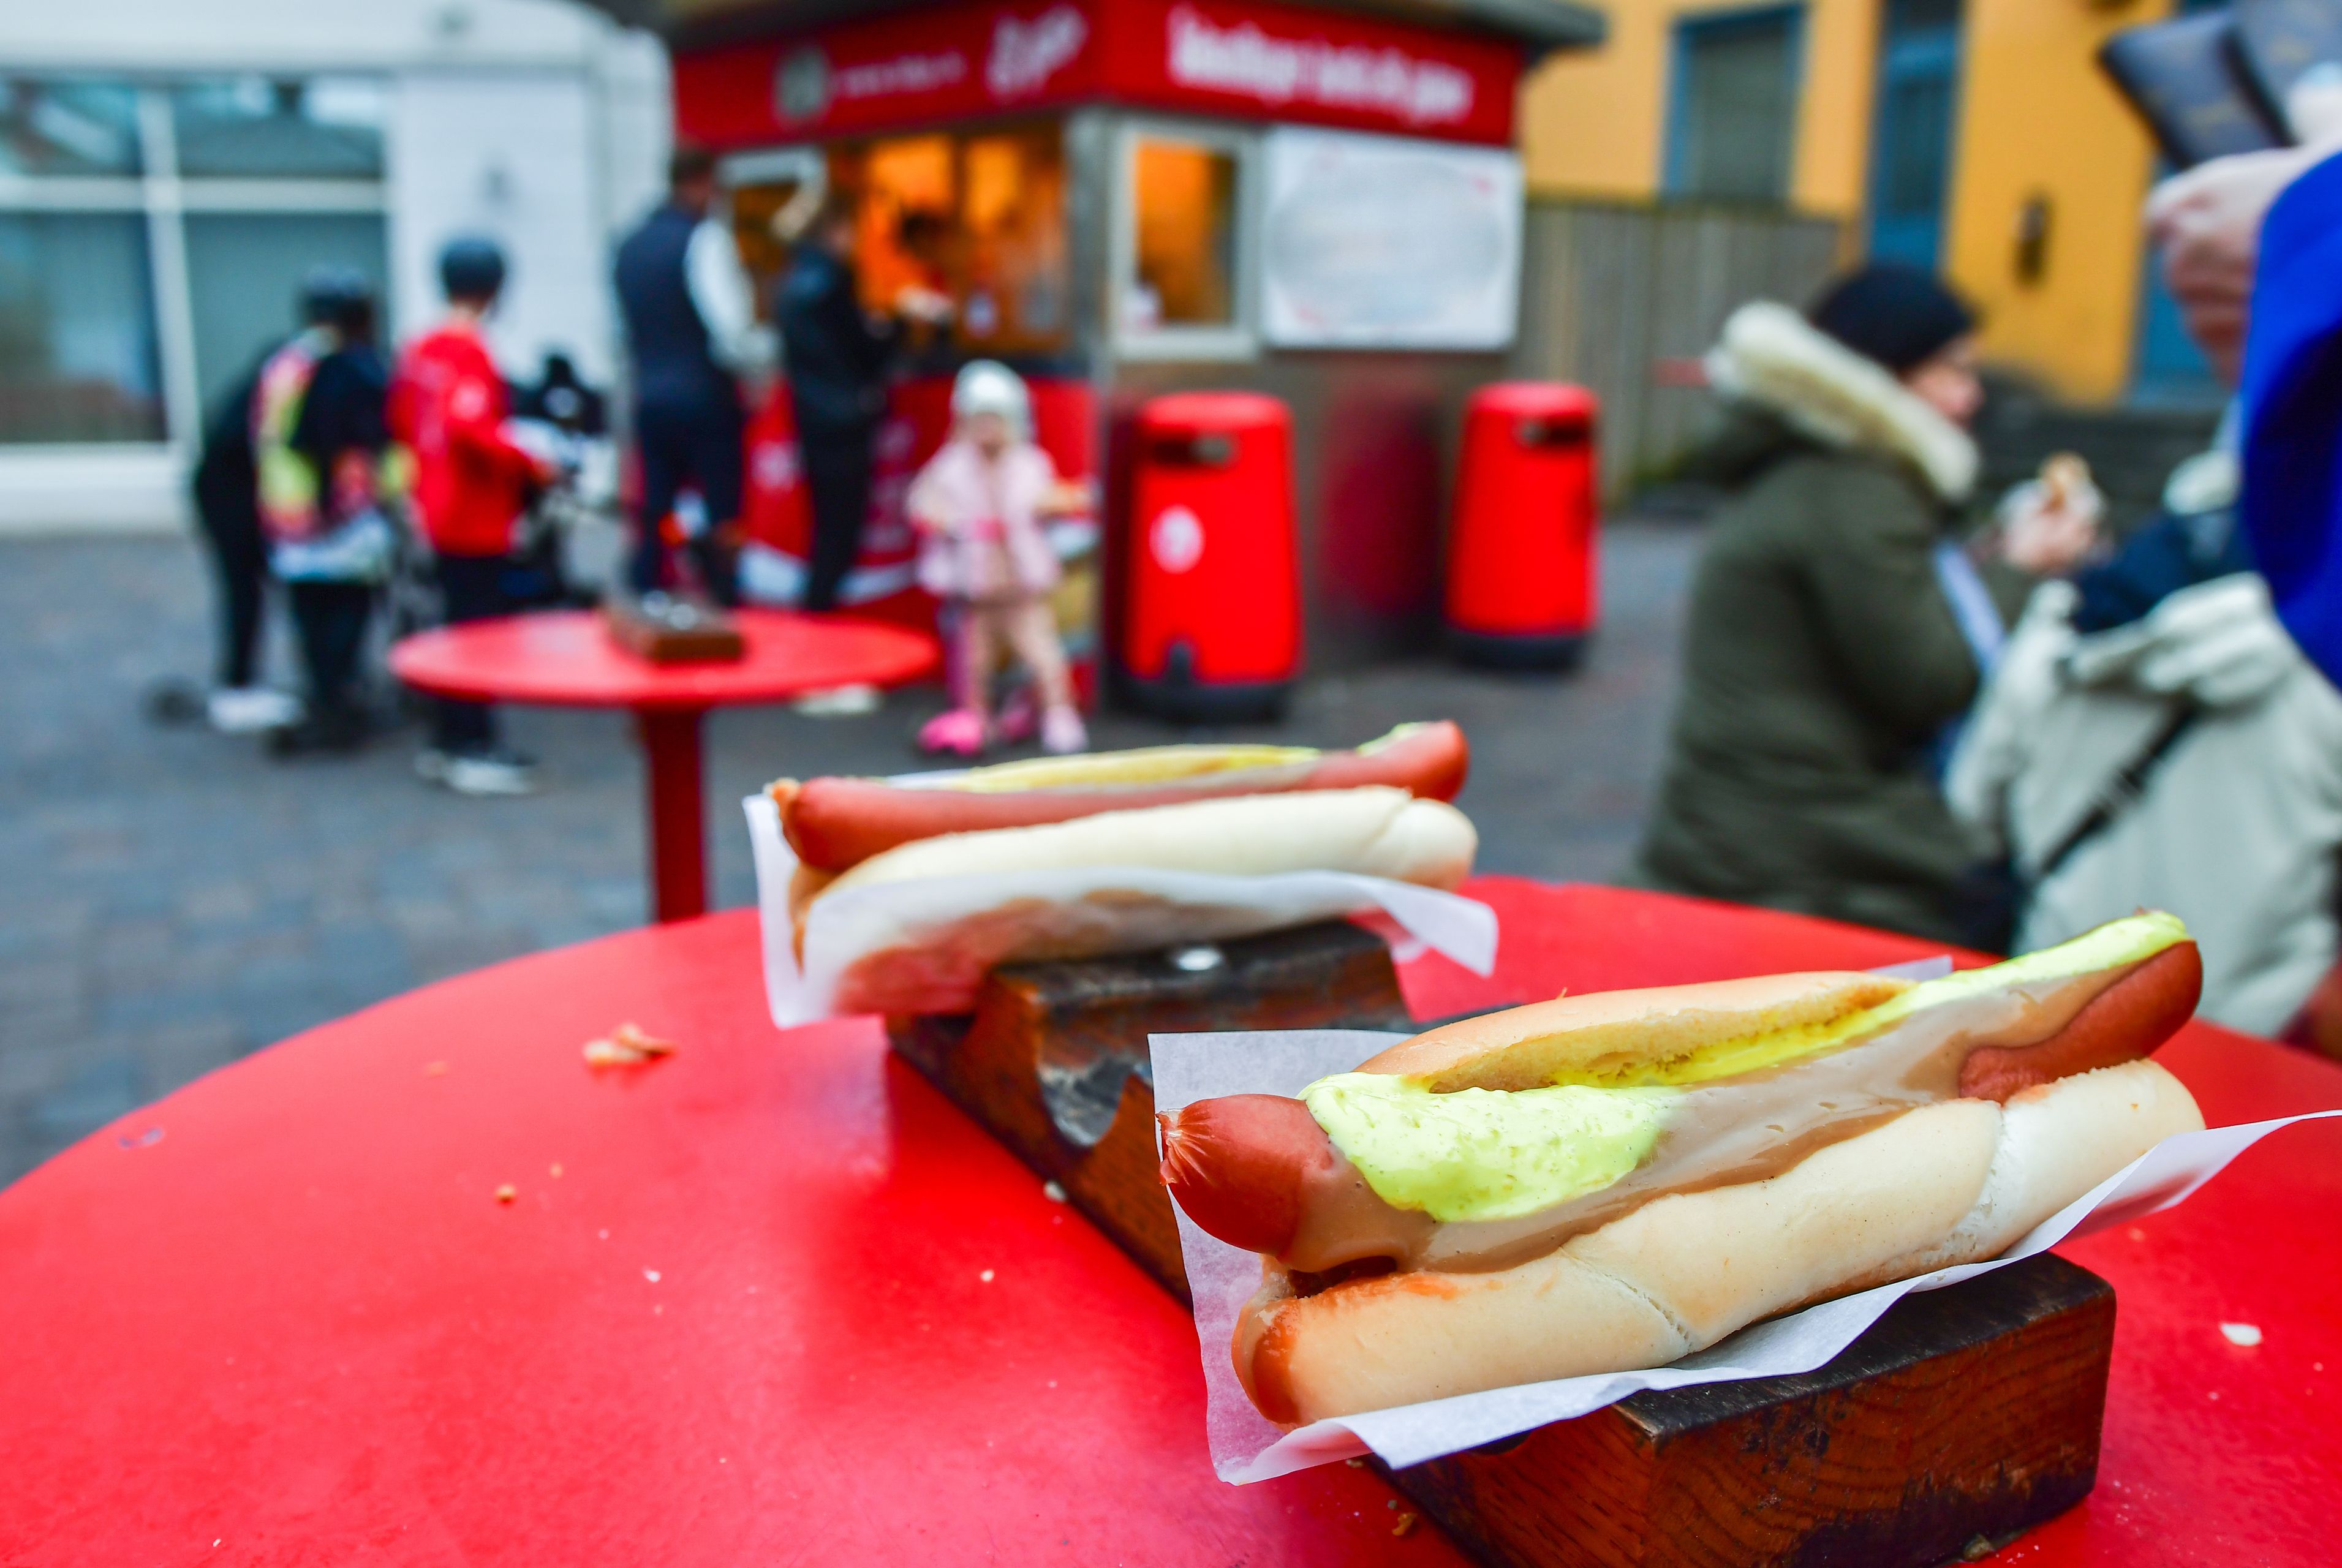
x=566, y=659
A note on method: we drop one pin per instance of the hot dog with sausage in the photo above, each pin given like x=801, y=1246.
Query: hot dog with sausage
x=1613, y=1181
x=836, y=824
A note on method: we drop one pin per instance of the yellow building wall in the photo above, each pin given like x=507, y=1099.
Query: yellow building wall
x=2035, y=116
x=1594, y=124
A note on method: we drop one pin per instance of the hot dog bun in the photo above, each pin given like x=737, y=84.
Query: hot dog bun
x=1258, y=1171
x=834, y=824
x=1949, y=1182
x=1375, y=831
x=1599, y=1033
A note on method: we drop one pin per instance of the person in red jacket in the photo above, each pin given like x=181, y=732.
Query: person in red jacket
x=471, y=483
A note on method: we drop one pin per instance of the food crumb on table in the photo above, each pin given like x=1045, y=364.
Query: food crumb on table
x=1406, y=1522
x=627, y=1045
x=2244, y=1335
x=507, y=1192
x=985, y=1277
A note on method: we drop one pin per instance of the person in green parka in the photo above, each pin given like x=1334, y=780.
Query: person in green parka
x=1839, y=625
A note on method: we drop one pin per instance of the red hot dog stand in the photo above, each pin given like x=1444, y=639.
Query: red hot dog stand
x=1127, y=198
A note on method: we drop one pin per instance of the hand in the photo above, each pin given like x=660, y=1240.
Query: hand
x=2047, y=538
x=2220, y=641
x=923, y=304
x=2207, y=222
x=1071, y=498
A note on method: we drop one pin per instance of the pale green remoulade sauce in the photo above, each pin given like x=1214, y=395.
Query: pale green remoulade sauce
x=1484, y=1154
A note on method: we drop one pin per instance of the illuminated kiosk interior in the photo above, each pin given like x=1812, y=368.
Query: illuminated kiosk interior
x=1127, y=198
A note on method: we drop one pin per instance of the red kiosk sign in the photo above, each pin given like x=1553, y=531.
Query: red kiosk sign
x=1207, y=56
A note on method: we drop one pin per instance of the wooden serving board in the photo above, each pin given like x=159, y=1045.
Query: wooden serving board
x=1054, y=1063
x=700, y=636
x=1962, y=1418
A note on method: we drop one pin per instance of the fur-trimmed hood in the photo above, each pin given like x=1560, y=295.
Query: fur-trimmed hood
x=1770, y=357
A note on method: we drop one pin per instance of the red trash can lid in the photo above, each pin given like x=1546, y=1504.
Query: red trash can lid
x=1204, y=413
x=1535, y=400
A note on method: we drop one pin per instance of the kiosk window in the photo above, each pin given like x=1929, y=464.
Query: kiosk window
x=977, y=216
x=1183, y=237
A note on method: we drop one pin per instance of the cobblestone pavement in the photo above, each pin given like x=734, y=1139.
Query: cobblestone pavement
x=174, y=900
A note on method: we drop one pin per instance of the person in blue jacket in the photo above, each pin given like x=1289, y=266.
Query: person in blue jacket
x=2252, y=250
x=2292, y=452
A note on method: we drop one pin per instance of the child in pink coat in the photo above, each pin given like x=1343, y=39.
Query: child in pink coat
x=978, y=505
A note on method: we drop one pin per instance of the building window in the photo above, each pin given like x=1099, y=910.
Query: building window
x=154, y=234
x=1735, y=106
x=1179, y=285
x=77, y=352
x=67, y=127
x=256, y=128
x=245, y=269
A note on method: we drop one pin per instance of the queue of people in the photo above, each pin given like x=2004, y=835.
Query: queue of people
x=307, y=463
x=311, y=461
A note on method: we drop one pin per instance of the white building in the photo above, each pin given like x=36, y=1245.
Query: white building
x=170, y=169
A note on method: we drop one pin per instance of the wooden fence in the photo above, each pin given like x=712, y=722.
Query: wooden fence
x=1624, y=299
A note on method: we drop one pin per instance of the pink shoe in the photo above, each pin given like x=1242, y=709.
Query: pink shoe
x=1020, y=717
x=1063, y=733
x=958, y=733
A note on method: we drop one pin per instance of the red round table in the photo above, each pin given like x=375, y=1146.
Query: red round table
x=566, y=659
x=774, y=1300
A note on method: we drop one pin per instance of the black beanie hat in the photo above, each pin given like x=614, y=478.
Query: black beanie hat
x=1900, y=315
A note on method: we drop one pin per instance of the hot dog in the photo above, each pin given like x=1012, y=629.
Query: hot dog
x=980, y=905
x=1612, y=1180
x=835, y=823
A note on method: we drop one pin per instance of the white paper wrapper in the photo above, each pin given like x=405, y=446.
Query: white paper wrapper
x=844, y=926
x=1245, y=1447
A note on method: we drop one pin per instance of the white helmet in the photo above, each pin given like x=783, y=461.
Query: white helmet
x=989, y=386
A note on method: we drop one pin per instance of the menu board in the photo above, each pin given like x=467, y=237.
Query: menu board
x=1388, y=242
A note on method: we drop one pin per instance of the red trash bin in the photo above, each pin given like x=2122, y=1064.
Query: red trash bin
x=1211, y=604
x=1521, y=554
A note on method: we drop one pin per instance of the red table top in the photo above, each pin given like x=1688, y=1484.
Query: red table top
x=566, y=659
x=739, y=1310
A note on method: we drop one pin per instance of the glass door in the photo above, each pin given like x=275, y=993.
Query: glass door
x=1911, y=153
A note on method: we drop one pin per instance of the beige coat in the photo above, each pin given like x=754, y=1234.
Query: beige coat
x=2235, y=831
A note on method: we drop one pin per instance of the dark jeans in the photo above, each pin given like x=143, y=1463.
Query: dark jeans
x=240, y=569
x=700, y=443
x=471, y=588
x=331, y=621
x=837, y=479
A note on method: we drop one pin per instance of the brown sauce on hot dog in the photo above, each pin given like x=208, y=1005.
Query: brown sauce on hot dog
x=1721, y=1134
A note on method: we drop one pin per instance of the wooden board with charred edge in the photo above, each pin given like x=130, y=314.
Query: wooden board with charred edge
x=1960, y=1420
x=1053, y=1063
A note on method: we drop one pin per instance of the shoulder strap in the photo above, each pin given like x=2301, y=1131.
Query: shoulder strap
x=2123, y=791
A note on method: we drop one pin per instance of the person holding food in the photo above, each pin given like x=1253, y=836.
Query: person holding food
x=978, y=505
x=1838, y=626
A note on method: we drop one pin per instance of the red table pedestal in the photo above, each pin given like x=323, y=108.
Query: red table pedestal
x=676, y=795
